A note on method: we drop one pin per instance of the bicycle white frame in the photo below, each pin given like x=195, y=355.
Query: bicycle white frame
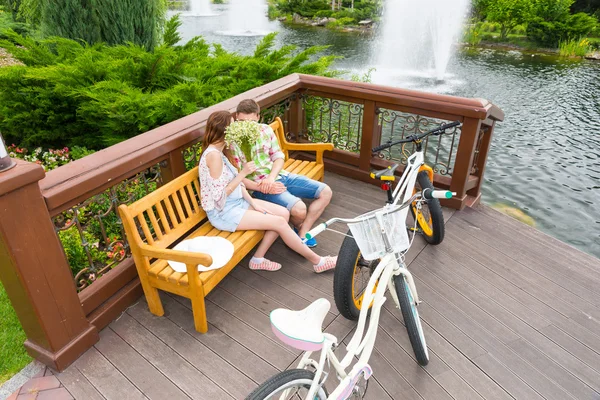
x=363, y=344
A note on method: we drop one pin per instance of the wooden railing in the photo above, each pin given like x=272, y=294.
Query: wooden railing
x=62, y=316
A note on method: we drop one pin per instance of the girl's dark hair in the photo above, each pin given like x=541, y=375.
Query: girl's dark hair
x=215, y=132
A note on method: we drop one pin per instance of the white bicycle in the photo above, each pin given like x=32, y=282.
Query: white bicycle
x=380, y=235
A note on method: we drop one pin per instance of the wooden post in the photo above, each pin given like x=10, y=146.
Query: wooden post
x=35, y=272
x=175, y=166
x=463, y=162
x=368, y=134
x=296, y=117
x=484, y=149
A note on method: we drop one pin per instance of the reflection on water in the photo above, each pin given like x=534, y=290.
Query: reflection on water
x=545, y=157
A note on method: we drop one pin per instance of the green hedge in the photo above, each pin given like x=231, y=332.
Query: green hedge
x=69, y=93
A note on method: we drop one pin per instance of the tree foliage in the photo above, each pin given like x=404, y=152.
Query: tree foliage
x=72, y=93
x=508, y=13
x=109, y=21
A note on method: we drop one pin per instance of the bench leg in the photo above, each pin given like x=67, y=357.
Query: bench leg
x=199, y=311
x=153, y=298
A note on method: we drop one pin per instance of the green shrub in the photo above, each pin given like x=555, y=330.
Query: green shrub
x=75, y=252
x=574, y=48
x=594, y=43
x=324, y=13
x=73, y=94
x=472, y=34
x=340, y=22
x=109, y=21
x=550, y=33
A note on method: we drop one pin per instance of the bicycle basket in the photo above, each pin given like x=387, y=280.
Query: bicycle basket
x=367, y=232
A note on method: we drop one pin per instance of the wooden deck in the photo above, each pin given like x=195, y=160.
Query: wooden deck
x=509, y=313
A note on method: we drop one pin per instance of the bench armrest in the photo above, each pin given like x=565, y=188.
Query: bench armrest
x=319, y=148
x=186, y=257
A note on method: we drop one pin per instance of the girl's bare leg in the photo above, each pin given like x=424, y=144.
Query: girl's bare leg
x=254, y=220
x=270, y=236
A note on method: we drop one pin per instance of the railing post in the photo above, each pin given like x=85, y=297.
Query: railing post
x=175, y=166
x=368, y=135
x=482, y=156
x=296, y=117
x=463, y=162
x=35, y=272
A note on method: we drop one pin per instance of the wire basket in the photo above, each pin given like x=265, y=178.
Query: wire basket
x=368, y=233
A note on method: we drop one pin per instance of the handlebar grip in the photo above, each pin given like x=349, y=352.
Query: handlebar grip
x=315, y=231
x=381, y=147
x=437, y=194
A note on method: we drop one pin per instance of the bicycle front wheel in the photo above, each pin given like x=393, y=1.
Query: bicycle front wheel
x=287, y=385
x=411, y=320
x=430, y=219
x=350, y=279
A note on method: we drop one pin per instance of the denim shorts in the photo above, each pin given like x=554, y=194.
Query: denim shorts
x=298, y=187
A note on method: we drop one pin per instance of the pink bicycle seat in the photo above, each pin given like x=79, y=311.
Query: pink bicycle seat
x=302, y=329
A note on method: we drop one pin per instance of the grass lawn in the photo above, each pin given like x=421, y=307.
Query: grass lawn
x=13, y=356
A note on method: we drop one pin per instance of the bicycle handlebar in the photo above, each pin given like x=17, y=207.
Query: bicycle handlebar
x=430, y=194
x=436, y=131
x=427, y=194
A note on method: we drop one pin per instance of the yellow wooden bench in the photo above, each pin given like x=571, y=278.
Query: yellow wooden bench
x=173, y=212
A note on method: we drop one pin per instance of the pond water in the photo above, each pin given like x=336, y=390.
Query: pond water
x=545, y=156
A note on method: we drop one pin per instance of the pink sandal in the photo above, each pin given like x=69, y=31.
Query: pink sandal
x=327, y=265
x=266, y=265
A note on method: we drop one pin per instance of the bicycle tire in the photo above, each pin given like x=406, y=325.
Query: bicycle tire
x=347, y=267
x=289, y=379
x=412, y=322
x=432, y=228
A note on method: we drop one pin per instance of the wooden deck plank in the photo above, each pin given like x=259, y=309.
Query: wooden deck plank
x=139, y=371
x=282, y=295
x=526, y=331
x=478, y=264
x=105, y=377
x=189, y=379
x=488, y=230
x=548, y=292
x=485, y=335
x=78, y=385
x=202, y=357
x=551, y=245
x=233, y=352
x=508, y=380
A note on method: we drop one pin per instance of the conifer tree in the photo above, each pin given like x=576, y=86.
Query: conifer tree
x=110, y=21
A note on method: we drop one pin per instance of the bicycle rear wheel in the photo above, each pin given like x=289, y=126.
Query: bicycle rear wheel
x=291, y=384
x=350, y=279
x=411, y=320
x=430, y=219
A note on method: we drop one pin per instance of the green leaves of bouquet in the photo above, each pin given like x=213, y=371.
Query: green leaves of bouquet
x=244, y=134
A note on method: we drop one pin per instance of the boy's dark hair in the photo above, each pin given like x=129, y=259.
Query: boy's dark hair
x=248, y=106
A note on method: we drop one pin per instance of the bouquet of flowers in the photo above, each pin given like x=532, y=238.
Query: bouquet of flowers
x=243, y=134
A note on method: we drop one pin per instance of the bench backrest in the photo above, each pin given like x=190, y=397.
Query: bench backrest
x=165, y=215
x=277, y=127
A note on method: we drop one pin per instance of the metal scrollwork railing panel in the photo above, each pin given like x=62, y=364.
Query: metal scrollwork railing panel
x=92, y=233
x=281, y=110
x=333, y=121
x=191, y=155
x=439, y=151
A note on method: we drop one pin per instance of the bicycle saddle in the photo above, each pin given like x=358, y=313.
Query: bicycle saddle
x=301, y=329
x=386, y=174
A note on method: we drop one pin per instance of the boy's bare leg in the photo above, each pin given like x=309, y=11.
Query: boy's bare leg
x=315, y=210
